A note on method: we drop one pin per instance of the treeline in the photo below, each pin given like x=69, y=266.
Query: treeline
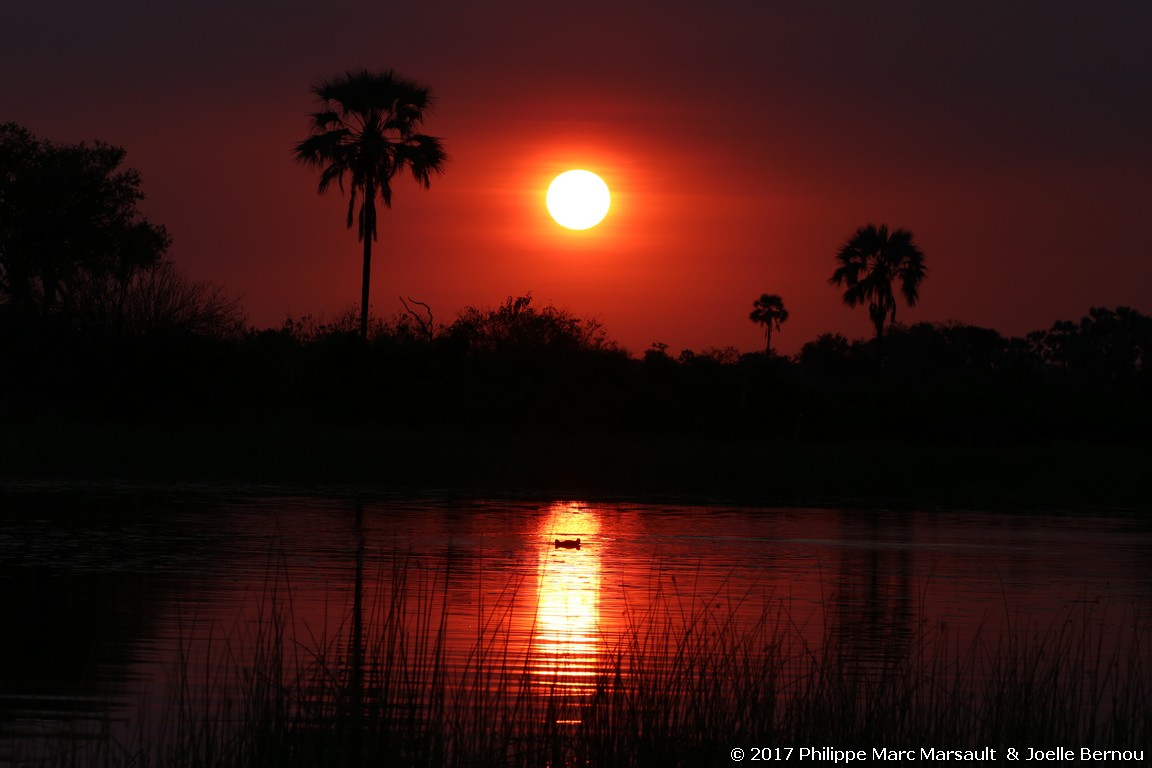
x=75, y=248
x=522, y=368
x=96, y=325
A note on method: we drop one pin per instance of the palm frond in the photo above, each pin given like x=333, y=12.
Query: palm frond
x=424, y=156
x=868, y=264
x=325, y=120
x=856, y=294
x=351, y=207
x=321, y=148
x=334, y=172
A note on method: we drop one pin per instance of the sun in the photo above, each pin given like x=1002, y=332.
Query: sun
x=578, y=199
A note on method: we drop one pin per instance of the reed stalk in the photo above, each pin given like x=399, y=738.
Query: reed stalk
x=681, y=683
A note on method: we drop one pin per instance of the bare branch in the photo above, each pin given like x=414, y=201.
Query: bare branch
x=425, y=325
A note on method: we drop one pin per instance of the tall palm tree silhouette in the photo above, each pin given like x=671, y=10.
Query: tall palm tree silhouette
x=367, y=130
x=870, y=262
x=769, y=311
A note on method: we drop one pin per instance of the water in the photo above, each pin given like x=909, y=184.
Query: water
x=112, y=601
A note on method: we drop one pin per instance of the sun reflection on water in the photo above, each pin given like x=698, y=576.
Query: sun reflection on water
x=566, y=643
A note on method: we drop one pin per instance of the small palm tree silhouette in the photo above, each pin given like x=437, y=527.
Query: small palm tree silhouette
x=769, y=311
x=870, y=262
x=366, y=130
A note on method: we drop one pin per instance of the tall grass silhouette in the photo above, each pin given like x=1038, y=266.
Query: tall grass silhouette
x=689, y=677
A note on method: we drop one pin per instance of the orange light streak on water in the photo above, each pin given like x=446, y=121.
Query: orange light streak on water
x=567, y=642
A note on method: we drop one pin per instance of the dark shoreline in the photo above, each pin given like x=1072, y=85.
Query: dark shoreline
x=536, y=402
x=1063, y=475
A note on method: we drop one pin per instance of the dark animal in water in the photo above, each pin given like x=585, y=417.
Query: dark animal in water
x=568, y=544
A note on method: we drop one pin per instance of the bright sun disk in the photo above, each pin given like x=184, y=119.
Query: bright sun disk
x=578, y=199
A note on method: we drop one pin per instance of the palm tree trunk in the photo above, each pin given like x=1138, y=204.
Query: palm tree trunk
x=364, y=288
x=368, y=233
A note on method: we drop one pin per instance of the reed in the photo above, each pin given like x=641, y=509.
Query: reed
x=684, y=681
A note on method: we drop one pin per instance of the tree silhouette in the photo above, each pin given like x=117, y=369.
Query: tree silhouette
x=517, y=325
x=1106, y=345
x=870, y=262
x=769, y=311
x=69, y=226
x=366, y=130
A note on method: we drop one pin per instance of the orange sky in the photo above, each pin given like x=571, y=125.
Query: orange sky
x=743, y=144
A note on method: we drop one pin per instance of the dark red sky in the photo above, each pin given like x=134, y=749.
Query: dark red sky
x=743, y=141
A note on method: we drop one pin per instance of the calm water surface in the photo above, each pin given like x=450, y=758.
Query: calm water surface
x=106, y=598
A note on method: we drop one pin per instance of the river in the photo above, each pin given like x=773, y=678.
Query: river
x=115, y=599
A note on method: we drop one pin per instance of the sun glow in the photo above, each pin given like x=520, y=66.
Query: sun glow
x=578, y=199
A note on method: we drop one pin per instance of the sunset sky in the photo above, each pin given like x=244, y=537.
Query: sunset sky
x=743, y=143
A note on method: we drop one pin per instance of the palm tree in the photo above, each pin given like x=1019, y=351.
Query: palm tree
x=870, y=262
x=769, y=311
x=366, y=130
